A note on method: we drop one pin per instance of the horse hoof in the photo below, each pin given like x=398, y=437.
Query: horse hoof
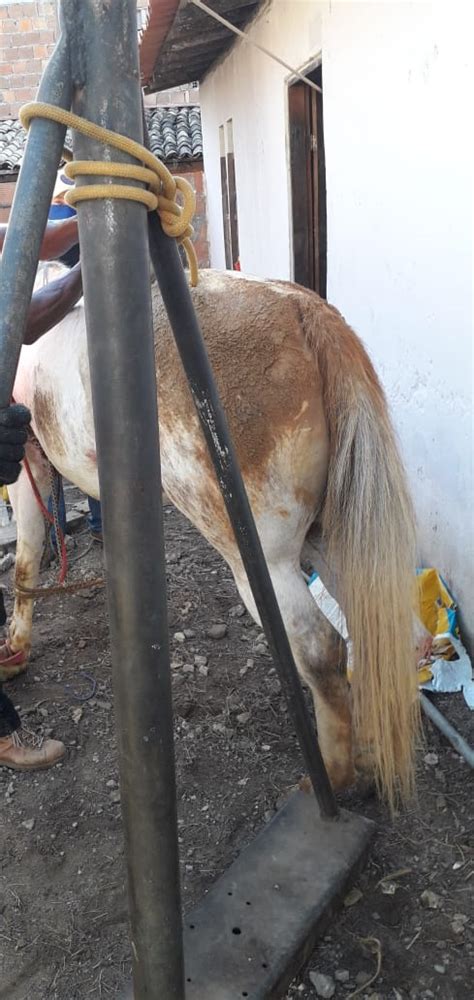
x=365, y=786
x=11, y=663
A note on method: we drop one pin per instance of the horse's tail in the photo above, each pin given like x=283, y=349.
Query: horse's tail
x=368, y=526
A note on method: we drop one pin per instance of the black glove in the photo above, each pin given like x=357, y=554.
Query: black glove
x=14, y=421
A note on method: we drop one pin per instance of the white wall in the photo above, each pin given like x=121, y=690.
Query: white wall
x=251, y=89
x=397, y=83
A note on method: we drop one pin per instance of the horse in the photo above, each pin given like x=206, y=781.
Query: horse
x=322, y=469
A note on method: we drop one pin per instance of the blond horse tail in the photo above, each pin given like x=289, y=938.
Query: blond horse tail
x=368, y=526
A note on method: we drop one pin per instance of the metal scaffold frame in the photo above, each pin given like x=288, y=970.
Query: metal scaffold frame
x=94, y=70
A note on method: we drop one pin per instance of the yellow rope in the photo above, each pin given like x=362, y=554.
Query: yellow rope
x=163, y=187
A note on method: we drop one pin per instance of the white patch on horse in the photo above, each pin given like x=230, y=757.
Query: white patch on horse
x=304, y=407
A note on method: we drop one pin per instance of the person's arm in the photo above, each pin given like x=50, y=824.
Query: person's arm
x=14, y=421
x=58, y=238
x=50, y=304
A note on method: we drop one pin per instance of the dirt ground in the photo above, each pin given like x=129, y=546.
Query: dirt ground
x=63, y=931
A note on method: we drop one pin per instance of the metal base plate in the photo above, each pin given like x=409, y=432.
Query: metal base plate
x=260, y=921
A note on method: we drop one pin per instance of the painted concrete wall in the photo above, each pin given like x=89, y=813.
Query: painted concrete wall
x=397, y=78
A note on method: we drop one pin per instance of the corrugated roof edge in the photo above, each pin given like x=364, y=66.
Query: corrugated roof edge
x=159, y=118
x=161, y=15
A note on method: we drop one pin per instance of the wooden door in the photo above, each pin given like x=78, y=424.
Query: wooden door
x=308, y=186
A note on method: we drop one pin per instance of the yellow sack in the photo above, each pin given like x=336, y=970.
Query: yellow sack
x=438, y=612
x=437, y=607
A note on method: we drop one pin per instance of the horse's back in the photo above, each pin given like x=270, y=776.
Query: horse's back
x=269, y=384
x=270, y=387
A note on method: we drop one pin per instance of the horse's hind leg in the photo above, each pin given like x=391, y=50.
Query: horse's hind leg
x=320, y=656
x=30, y=542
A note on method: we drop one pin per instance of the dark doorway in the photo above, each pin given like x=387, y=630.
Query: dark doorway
x=229, y=196
x=308, y=183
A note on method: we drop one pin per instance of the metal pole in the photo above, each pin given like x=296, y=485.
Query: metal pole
x=445, y=727
x=115, y=263
x=176, y=297
x=28, y=217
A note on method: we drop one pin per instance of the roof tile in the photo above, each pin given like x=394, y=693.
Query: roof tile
x=175, y=136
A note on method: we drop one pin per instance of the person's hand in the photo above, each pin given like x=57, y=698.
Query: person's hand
x=14, y=421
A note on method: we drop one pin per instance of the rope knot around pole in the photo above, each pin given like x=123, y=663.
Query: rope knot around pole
x=162, y=190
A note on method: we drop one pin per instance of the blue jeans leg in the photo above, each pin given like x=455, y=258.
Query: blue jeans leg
x=95, y=517
x=62, y=516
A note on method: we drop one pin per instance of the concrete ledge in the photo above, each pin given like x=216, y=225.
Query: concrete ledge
x=259, y=923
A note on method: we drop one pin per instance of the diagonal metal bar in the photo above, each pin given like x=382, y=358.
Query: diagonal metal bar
x=28, y=217
x=184, y=323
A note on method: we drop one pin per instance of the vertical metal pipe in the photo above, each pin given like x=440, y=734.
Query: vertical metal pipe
x=33, y=193
x=176, y=297
x=114, y=251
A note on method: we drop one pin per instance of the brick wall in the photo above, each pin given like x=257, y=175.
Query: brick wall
x=178, y=95
x=27, y=35
x=6, y=197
